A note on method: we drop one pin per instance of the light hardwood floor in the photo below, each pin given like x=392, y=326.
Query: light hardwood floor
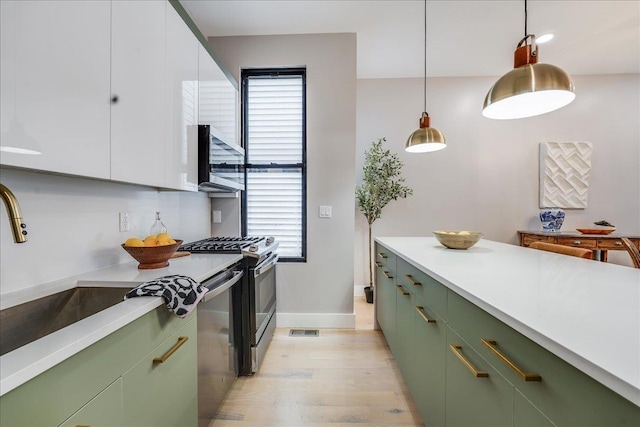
x=344, y=377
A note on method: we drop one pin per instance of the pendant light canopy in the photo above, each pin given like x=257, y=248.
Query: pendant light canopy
x=425, y=138
x=530, y=89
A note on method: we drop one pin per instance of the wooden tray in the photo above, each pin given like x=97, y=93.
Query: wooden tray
x=596, y=230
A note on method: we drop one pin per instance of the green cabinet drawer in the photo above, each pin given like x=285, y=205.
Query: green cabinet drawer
x=402, y=346
x=482, y=398
x=161, y=389
x=525, y=414
x=566, y=395
x=104, y=410
x=384, y=257
x=385, y=295
x=426, y=380
x=426, y=288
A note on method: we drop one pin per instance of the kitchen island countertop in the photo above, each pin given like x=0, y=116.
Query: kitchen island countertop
x=585, y=312
x=26, y=362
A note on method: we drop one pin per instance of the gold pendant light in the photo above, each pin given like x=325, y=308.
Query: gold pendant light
x=530, y=89
x=425, y=138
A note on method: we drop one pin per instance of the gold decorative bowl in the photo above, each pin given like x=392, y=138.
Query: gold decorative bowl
x=452, y=239
x=151, y=257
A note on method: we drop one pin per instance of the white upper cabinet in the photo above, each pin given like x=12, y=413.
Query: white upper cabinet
x=218, y=98
x=138, y=91
x=55, y=85
x=181, y=117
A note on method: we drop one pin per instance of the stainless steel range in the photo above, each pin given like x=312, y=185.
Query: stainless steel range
x=258, y=292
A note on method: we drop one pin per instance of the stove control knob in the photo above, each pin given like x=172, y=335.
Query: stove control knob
x=253, y=248
x=270, y=240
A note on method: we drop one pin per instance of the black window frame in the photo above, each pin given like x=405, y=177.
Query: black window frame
x=275, y=73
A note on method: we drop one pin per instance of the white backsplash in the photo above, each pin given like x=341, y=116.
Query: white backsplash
x=73, y=224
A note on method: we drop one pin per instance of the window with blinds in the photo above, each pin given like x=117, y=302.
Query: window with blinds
x=274, y=131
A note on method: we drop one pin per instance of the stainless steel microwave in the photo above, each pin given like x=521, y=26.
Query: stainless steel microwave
x=220, y=163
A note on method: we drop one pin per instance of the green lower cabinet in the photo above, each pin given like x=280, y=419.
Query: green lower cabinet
x=403, y=351
x=164, y=394
x=104, y=410
x=527, y=415
x=385, y=293
x=426, y=382
x=480, y=399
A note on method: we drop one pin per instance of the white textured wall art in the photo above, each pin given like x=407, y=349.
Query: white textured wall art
x=564, y=174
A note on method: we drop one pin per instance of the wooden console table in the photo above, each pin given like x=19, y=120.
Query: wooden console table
x=595, y=242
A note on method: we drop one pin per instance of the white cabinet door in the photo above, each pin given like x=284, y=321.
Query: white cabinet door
x=138, y=91
x=55, y=85
x=217, y=98
x=181, y=155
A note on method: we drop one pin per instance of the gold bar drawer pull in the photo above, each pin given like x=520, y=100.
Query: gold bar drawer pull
x=401, y=290
x=457, y=350
x=168, y=354
x=413, y=282
x=422, y=314
x=526, y=376
x=386, y=273
x=381, y=255
x=378, y=264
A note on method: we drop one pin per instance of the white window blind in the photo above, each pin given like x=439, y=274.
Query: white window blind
x=275, y=154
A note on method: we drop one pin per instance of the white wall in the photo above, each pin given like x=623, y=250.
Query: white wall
x=487, y=177
x=318, y=293
x=73, y=224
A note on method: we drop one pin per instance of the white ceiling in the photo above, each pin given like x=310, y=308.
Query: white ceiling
x=464, y=38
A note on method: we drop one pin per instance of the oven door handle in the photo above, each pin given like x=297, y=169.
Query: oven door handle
x=266, y=266
x=237, y=275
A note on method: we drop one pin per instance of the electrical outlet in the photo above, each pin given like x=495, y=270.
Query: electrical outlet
x=217, y=217
x=125, y=222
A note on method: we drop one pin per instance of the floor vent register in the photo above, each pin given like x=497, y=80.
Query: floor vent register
x=304, y=333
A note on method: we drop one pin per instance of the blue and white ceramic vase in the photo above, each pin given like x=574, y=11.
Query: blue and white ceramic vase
x=552, y=219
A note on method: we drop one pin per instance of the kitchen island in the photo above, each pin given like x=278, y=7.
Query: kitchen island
x=579, y=314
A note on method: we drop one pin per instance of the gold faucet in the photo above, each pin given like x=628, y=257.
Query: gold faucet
x=18, y=227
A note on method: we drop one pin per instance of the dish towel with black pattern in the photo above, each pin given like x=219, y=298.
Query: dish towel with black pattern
x=181, y=293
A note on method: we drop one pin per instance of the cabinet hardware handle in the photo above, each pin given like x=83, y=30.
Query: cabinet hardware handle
x=386, y=273
x=422, y=314
x=457, y=350
x=381, y=255
x=378, y=264
x=400, y=289
x=168, y=354
x=576, y=242
x=618, y=243
x=526, y=376
x=413, y=282
x=83, y=425
x=114, y=99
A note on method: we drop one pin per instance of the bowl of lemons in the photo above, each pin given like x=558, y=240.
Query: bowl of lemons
x=153, y=251
x=457, y=239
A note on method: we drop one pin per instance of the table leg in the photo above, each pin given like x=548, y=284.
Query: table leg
x=604, y=255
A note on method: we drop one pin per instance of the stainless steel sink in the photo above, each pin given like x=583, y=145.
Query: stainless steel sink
x=25, y=323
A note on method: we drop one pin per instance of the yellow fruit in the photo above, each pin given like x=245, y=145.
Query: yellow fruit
x=172, y=242
x=464, y=233
x=134, y=241
x=164, y=239
x=151, y=241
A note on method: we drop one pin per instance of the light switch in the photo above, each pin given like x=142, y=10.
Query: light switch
x=217, y=217
x=324, y=212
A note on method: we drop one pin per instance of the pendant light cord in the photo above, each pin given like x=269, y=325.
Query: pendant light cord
x=525, y=19
x=425, y=56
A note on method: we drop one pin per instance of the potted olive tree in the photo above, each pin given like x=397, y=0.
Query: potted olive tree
x=382, y=183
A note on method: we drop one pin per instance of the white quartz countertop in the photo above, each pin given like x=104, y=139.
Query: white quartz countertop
x=24, y=363
x=585, y=312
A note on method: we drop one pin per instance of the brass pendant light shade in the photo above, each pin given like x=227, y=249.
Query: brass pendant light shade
x=530, y=89
x=425, y=138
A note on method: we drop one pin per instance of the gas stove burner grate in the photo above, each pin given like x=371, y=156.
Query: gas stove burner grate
x=229, y=245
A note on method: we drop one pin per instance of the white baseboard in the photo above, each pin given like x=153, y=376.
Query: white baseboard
x=316, y=320
x=358, y=291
